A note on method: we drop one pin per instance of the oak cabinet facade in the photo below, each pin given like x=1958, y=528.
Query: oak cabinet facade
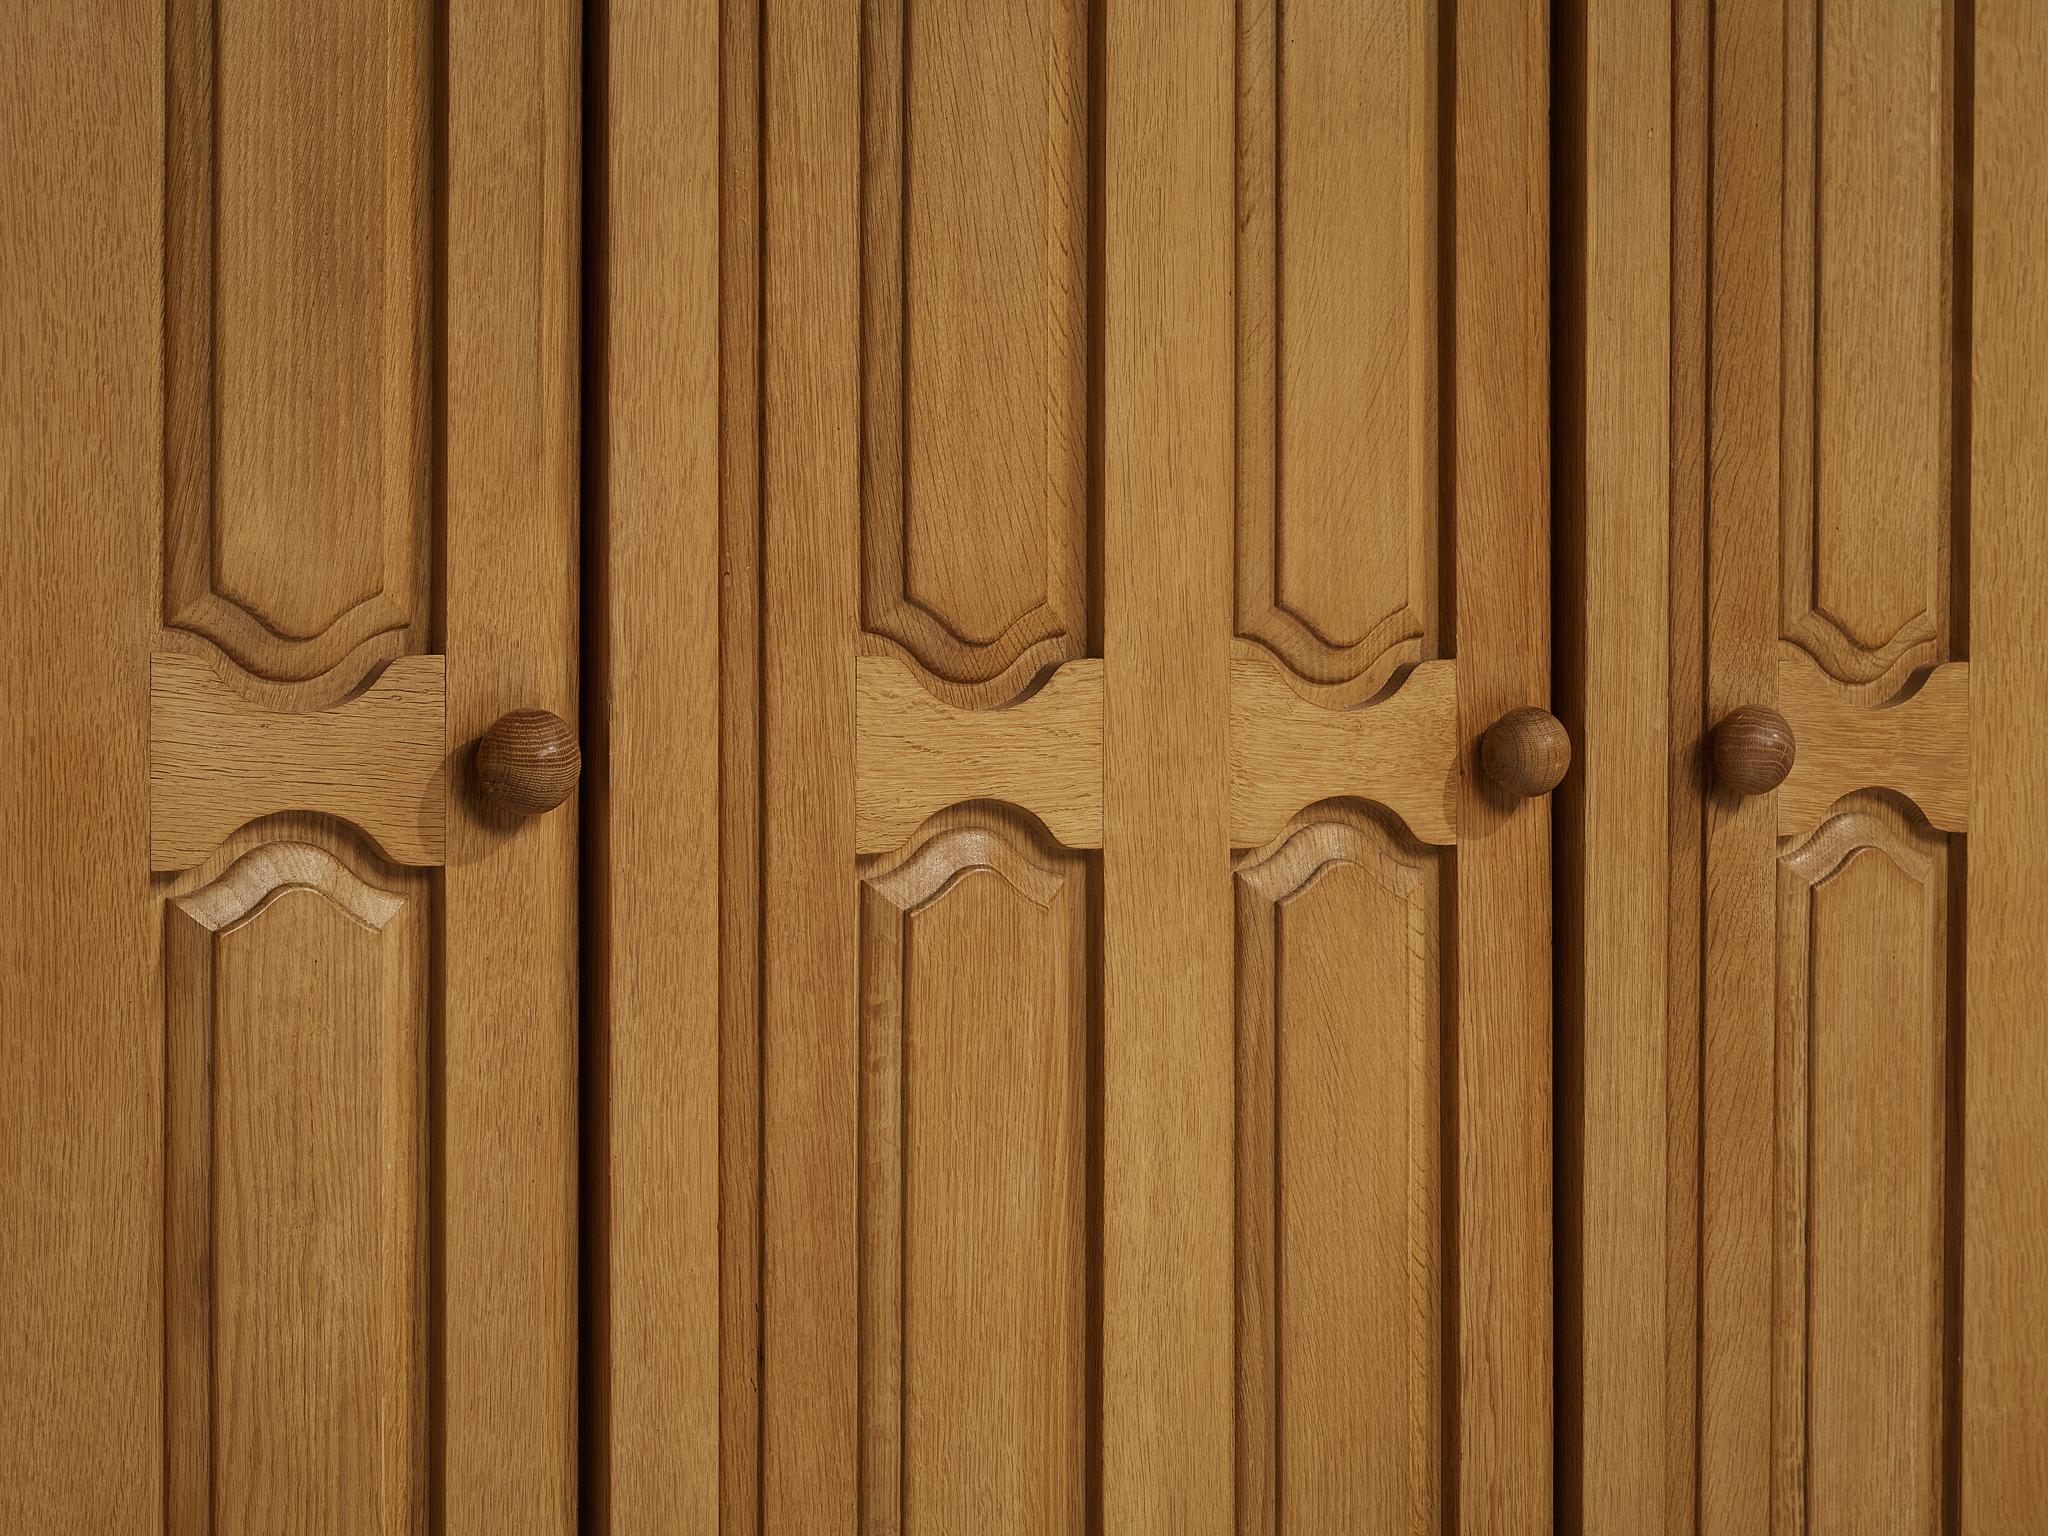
x=1074, y=543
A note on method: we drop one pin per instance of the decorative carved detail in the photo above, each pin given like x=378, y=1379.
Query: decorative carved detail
x=1870, y=437
x=376, y=760
x=1917, y=744
x=1340, y=1261
x=916, y=753
x=1400, y=751
x=295, y=1155
x=975, y=246
x=1865, y=1053
x=975, y=1191
x=1338, y=327
x=298, y=205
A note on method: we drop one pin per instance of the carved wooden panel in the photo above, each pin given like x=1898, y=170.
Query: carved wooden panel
x=1338, y=335
x=978, y=1054
x=1870, y=436
x=1867, y=1265
x=298, y=334
x=1339, y=1190
x=296, y=1288
x=975, y=406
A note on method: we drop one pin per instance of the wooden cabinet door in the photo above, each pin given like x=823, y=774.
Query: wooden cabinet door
x=288, y=390
x=1076, y=495
x=1806, y=1064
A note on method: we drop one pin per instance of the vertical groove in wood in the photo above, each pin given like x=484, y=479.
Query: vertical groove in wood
x=742, y=784
x=1501, y=635
x=2004, y=1391
x=810, y=522
x=509, y=625
x=658, y=793
x=1168, y=1041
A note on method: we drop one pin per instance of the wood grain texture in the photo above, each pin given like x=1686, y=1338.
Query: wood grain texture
x=1862, y=1306
x=218, y=761
x=810, y=542
x=510, y=630
x=81, y=1053
x=296, y=1300
x=2004, y=1399
x=1917, y=746
x=1870, y=407
x=1526, y=752
x=1741, y=607
x=977, y=1332
x=916, y=754
x=1501, y=636
x=975, y=340
x=1341, y=1218
x=1339, y=315
x=528, y=761
x=1619, y=642
x=299, y=409
x=1287, y=751
x=654, y=796
x=1753, y=749
x=1169, y=1047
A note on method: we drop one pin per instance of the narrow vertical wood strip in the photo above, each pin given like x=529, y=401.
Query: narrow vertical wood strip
x=1501, y=631
x=2005, y=1240
x=654, y=797
x=510, y=629
x=1614, y=626
x=1258, y=1393
x=1744, y=492
x=810, y=514
x=1168, y=1041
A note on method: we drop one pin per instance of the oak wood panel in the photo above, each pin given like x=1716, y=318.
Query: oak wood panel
x=299, y=332
x=1917, y=745
x=1863, y=1048
x=654, y=794
x=977, y=1055
x=1168, y=1399
x=1339, y=335
x=2004, y=1396
x=509, y=626
x=915, y=754
x=1340, y=1197
x=1742, y=605
x=1287, y=751
x=1621, y=1430
x=218, y=761
x=810, y=552
x=81, y=1056
x=1500, y=633
x=296, y=1281
x=975, y=339
x=1868, y=167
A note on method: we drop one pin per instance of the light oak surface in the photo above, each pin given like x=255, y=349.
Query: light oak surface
x=1287, y=752
x=375, y=760
x=916, y=754
x=1917, y=746
x=293, y=382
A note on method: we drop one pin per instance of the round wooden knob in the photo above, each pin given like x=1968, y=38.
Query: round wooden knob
x=528, y=762
x=1753, y=750
x=1526, y=752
